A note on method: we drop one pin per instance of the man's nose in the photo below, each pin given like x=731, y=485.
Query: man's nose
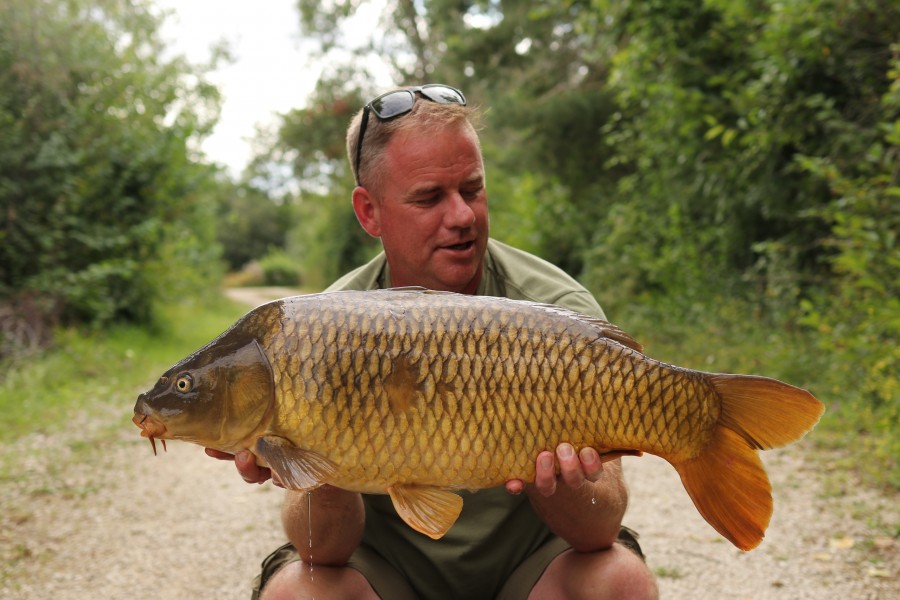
x=459, y=213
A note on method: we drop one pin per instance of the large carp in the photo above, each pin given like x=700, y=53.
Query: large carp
x=417, y=393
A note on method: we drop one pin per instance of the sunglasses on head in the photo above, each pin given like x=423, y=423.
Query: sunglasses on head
x=399, y=102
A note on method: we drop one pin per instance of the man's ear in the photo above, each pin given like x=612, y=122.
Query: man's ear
x=367, y=211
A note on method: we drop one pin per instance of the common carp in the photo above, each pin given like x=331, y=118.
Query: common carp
x=417, y=393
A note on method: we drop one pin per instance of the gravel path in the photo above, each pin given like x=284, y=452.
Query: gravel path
x=184, y=526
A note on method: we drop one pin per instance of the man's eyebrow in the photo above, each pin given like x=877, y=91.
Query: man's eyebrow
x=476, y=178
x=427, y=189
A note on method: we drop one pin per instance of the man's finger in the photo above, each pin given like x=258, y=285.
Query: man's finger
x=249, y=470
x=515, y=486
x=569, y=466
x=590, y=463
x=218, y=454
x=545, y=474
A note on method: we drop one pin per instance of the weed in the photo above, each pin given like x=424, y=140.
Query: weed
x=668, y=572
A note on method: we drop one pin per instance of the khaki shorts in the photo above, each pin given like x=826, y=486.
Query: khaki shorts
x=389, y=584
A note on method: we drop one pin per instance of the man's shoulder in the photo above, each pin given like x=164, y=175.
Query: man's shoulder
x=520, y=275
x=365, y=277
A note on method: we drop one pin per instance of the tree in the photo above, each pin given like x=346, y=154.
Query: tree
x=249, y=223
x=100, y=193
x=303, y=163
x=718, y=105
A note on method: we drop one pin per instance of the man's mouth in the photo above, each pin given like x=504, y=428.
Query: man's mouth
x=462, y=246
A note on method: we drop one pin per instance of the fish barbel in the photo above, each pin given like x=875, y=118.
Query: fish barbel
x=416, y=393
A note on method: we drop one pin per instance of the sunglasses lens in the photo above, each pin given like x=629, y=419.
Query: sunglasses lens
x=443, y=94
x=393, y=104
x=399, y=102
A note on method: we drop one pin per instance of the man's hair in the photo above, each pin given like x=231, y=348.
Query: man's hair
x=425, y=116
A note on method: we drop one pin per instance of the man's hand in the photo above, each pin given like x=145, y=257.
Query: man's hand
x=246, y=465
x=583, y=503
x=574, y=470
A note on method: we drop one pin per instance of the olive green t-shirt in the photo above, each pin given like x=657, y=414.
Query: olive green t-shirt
x=495, y=531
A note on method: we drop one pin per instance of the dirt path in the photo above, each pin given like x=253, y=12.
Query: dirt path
x=184, y=526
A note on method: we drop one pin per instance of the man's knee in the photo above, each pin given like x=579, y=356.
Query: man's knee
x=627, y=577
x=615, y=573
x=298, y=580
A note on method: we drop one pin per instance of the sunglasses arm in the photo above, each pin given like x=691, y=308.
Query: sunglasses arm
x=359, y=140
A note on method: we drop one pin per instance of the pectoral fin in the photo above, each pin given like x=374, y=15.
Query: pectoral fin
x=428, y=510
x=297, y=468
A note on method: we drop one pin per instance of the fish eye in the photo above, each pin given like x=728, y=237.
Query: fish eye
x=184, y=383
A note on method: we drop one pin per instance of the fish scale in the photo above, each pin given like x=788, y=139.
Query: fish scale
x=417, y=393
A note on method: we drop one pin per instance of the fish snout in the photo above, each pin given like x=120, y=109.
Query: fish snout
x=150, y=428
x=141, y=407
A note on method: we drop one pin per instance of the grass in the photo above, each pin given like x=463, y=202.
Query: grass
x=44, y=394
x=668, y=572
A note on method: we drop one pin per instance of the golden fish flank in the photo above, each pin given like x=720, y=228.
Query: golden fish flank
x=417, y=393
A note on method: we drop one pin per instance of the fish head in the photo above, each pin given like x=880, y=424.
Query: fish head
x=217, y=397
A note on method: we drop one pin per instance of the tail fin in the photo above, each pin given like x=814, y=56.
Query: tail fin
x=726, y=480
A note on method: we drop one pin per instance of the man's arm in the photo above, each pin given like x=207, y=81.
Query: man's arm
x=338, y=516
x=585, y=503
x=325, y=525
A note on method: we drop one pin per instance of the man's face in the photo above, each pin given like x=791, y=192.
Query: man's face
x=431, y=213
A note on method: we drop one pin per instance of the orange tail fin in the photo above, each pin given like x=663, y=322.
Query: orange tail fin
x=726, y=480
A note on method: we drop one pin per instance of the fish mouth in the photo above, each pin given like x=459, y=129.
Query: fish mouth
x=150, y=429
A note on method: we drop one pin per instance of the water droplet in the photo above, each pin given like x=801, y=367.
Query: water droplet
x=309, y=517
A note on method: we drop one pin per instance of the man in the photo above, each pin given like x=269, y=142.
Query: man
x=421, y=190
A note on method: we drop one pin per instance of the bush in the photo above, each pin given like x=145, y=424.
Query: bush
x=279, y=269
x=100, y=196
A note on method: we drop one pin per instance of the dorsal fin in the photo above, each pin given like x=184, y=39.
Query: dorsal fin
x=605, y=328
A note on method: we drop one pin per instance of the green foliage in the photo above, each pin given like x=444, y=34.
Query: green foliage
x=514, y=199
x=323, y=238
x=858, y=315
x=97, y=183
x=329, y=241
x=279, y=269
x=250, y=223
x=760, y=139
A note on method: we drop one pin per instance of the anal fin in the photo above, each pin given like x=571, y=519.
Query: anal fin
x=428, y=510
